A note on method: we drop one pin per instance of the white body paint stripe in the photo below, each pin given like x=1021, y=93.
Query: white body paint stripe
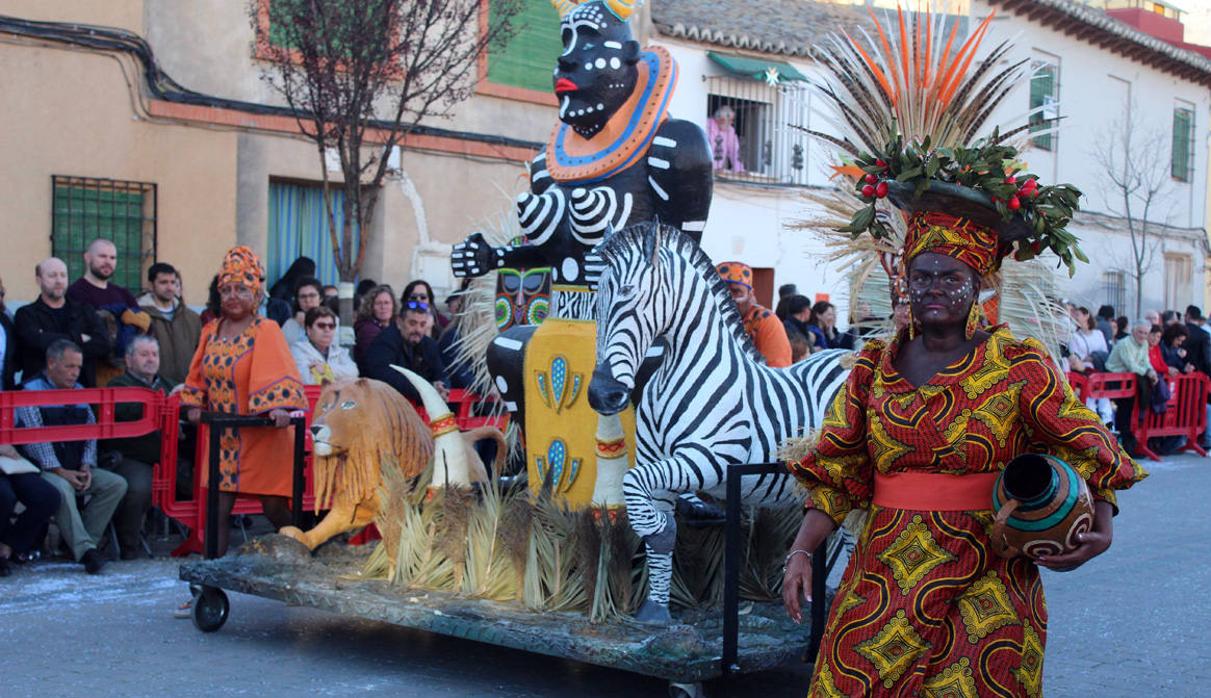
x=664, y=142
x=664, y=195
x=658, y=163
x=506, y=343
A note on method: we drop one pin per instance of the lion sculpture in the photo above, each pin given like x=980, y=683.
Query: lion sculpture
x=362, y=425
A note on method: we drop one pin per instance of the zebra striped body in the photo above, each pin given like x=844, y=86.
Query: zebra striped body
x=712, y=402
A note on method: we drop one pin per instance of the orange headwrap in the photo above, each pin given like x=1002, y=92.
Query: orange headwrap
x=736, y=273
x=242, y=266
x=933, y=231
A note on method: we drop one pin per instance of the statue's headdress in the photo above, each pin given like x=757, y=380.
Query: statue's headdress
x=622, y=9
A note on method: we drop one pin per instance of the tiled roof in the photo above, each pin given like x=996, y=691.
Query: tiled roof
x=1096, y=27
x=787, y=27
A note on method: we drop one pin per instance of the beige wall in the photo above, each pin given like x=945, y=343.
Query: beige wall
x=78, y=117
x=75, y=117
x=126, y=14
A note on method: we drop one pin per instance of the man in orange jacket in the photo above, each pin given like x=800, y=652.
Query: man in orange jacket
x=763, y=327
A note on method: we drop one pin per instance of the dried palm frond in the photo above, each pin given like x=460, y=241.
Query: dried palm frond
x=770, y=534
x=490, y=573
x=612, y=593
x=697, y=567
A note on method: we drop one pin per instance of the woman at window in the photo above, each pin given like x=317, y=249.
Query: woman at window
x=724, y=143
x=319, y=359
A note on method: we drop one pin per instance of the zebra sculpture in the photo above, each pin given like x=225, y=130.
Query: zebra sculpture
x=711, y=403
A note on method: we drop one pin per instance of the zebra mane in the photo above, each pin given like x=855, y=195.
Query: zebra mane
x=655, y=236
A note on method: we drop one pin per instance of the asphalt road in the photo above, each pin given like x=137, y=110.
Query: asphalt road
x=1133, y=623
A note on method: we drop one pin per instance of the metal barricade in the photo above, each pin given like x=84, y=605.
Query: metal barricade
x=733, y=552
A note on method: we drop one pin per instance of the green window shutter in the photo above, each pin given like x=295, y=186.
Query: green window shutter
x=1183, y=138
x=83, y=214
x=1042, y=90
x=529, y=57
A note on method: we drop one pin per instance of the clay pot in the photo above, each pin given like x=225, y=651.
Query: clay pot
x=1041, y=504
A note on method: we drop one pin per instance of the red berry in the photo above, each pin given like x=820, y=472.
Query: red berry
x=1030, y=184
x=881, y=190
x=1034, y=193
x=1011, y=180
x=871, y=179
x=1015, y=203
x=868, y=191
x=881, y=163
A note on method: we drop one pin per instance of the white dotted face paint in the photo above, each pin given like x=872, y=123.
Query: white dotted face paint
x=614, y=63
x=600, y=63
x=588, y=66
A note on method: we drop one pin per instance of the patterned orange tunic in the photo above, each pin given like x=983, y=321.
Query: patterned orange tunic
x=249, y=374
x=925, y=607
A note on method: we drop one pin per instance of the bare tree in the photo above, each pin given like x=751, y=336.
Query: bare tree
x=360, y=76
x=1134, y=163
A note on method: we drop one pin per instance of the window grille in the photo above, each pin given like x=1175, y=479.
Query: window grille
x=1182, y=163
x=771, y=150
x=1114, y=290
x=84, y=209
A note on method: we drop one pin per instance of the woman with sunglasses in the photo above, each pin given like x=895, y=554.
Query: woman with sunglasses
x=420, y=291
x=320, y=360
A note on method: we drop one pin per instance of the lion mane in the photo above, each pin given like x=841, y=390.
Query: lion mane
x=381, y=428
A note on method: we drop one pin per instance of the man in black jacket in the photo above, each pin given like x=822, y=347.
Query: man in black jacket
x=406, y=343
x=10, y=351
x=1198, y=344
x=53, y=316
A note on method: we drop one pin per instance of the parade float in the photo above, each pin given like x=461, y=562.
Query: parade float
x=623, y=406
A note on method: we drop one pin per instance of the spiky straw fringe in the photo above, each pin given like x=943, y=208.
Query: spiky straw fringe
x=457, y=504
x=490, y=572
x=612, y=592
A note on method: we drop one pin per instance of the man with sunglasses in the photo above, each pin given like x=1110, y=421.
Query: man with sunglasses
x=407, y=342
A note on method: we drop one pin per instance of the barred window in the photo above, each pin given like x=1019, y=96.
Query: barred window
x=1114, y=289
x=751, y=136
x=84, y=209
x=1182, y=162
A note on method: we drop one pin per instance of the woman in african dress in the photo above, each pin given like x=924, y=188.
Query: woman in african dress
x=244, y=366
x=916, y=439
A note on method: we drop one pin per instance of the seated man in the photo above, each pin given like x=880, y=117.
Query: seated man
x=136, y=456
x=20, y=482
x=71, y=465
x=407, y=343
x=1130, y=355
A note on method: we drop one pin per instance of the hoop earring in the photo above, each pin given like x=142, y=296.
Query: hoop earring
x=973, y=318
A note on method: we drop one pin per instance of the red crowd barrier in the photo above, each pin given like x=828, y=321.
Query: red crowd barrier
x=163, y=413
x=1186, y=415
x=1102, y=385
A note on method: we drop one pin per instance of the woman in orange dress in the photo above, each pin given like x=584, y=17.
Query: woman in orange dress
x=244, y=366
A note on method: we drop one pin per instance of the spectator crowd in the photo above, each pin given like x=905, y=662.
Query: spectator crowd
x=91, y=332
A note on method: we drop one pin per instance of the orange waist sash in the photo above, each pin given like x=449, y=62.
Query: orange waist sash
x=935, y=491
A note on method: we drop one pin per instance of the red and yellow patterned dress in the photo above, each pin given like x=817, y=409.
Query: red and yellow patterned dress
x=925, y=607
x=249, y=374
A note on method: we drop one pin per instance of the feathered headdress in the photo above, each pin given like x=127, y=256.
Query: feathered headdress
x=622, y=9
x=910, y=107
